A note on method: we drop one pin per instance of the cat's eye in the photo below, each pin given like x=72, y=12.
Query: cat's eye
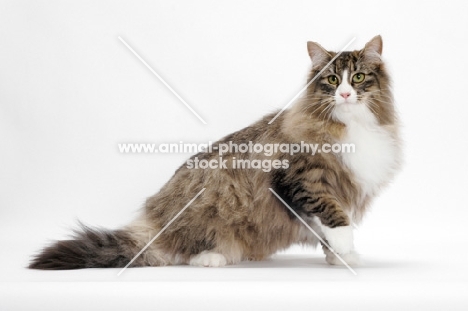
x=359, y=77
x=333, y=80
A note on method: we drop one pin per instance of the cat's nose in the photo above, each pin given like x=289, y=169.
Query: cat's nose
x=345, y=95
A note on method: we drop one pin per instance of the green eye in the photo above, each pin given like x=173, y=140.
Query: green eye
x=358, y=78
x=333, y=80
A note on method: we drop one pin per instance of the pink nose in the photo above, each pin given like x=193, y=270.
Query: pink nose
x=345, y=95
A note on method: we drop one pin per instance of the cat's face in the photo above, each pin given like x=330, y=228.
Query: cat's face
x=354, y=85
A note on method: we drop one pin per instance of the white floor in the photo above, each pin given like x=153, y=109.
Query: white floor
x=392, y=277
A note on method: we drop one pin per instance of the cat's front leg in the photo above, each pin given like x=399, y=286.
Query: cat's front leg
x=341, y=241
x=334, y=223
x=332, y=219
x=352, y=258
x=340, y=238
x=312, y=194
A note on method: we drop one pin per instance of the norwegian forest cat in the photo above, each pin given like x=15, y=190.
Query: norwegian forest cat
x=237, y=217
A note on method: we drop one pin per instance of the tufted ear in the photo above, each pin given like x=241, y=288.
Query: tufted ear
x=373, y=48
x=317, y=53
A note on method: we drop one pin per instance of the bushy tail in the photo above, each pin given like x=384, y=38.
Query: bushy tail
x=90, y=248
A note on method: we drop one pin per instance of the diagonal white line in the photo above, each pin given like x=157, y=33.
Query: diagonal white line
x=162, y=230
x=162, y=80
x=312, y=80
x=312, y=230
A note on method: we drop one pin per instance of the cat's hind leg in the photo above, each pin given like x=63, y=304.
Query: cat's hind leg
x=208, y=259
x=228, y=252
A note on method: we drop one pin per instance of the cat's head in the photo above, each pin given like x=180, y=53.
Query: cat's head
x=354, y=86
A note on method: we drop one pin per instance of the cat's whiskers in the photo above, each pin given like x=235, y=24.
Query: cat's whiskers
x=330, y=114
x=328, y=110
x=389, y=102
x=372, y=94
x=383, y=96
x=310, y=102
x=364, y=98
x=321, y=104
x=324, y=110
x=372, y=107
x=374, y=91
x=305, y=109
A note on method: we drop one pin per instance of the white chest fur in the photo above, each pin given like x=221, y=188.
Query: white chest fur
x=376, y=155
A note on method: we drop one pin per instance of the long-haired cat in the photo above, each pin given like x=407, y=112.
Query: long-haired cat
x=237, y=217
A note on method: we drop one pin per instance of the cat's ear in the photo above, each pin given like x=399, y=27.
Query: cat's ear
x=373, y=48
x=317, y=53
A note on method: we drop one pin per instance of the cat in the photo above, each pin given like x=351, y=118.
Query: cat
x=238, y=217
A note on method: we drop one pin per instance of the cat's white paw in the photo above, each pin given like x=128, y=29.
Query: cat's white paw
x=207, y=259
x=339, y=238
x=351, y=259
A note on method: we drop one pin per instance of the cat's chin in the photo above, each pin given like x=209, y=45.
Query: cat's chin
x=348, y=104
x=353, y=111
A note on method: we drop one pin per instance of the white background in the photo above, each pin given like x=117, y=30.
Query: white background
x=70, y=91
